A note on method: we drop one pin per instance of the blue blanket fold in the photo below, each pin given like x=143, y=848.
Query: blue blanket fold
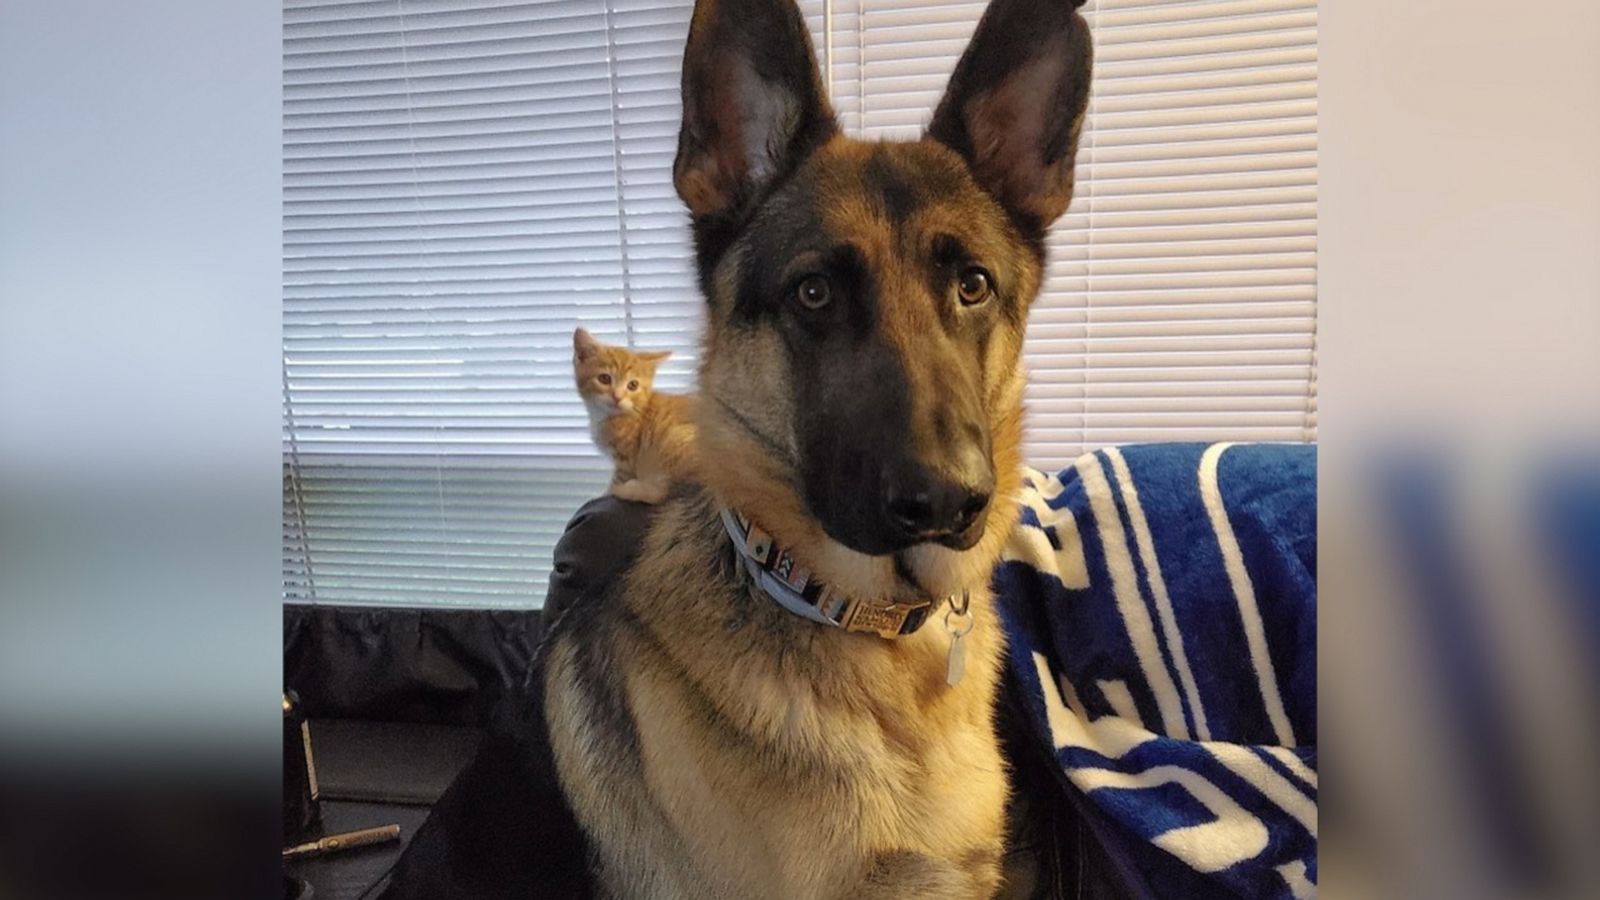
x=1160, y=604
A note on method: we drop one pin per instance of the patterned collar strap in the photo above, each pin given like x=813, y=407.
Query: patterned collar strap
x=781, y=577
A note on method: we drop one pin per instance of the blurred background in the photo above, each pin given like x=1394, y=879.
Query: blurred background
x=1458, y=527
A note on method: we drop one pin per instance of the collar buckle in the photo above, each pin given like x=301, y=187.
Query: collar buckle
x=884, y=621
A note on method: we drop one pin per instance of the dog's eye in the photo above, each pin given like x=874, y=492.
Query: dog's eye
x=633, y=385
x=974, y=285
x=814, y=292
x=603, y=379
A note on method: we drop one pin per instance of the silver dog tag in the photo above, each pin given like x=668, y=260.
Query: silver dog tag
x=957, y=665
x=957, y=624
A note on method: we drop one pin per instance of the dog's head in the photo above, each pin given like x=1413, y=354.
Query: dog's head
x=861, y=388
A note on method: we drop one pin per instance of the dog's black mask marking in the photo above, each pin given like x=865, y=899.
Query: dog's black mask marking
x=894, y=443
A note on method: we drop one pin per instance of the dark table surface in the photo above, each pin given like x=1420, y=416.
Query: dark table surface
x=343, y=876
x=364, y=768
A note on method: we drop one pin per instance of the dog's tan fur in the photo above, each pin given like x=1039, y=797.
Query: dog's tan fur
x=771, y=751
x=714, y=745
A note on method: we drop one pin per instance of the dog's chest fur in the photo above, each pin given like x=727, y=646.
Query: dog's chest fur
x=715, y=745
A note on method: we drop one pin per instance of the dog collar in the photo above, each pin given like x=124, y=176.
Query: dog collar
x=781, y=577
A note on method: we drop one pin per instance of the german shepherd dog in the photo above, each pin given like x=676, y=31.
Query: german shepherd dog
x=861, y=402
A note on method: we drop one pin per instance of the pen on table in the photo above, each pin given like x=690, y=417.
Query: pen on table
x=348, y=840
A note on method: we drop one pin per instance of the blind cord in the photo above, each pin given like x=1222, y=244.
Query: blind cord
x=616, y=163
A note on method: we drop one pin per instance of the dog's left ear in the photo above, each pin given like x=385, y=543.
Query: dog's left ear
x=1015, y=106
x=753, y=103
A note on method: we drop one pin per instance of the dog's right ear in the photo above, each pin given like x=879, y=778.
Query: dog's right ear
x=753, y=103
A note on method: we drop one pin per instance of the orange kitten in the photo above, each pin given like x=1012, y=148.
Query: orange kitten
x=649, y=435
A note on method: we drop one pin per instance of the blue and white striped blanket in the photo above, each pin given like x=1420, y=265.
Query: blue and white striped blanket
x=1160, y=603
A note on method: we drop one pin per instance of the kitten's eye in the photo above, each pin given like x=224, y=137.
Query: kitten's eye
x=974, y=285
x=814, y=292
x=633, y=385
x=603, y=378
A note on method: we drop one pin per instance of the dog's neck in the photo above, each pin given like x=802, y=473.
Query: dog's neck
x=782, y=576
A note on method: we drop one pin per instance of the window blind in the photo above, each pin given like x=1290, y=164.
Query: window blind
x=465, y=182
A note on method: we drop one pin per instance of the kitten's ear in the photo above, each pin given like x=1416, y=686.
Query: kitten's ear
x=753, y=103
x=584, y=346
x=1015, y=105
x=654, y=358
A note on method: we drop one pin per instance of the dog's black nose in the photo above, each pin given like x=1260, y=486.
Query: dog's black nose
x=924, y=506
